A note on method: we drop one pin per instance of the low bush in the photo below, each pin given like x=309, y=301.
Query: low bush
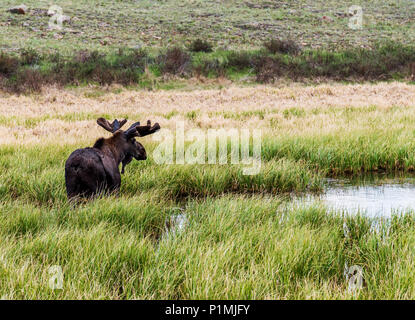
x=200, y=45
x=287, y=46
x=175, y=61
x=30, y=70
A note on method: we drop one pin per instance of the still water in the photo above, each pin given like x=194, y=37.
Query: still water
x=372, y=195
x=175, y=223
x=375, y=196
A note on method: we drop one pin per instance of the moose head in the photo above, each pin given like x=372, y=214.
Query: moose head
x=129, y=146
x=89, y=171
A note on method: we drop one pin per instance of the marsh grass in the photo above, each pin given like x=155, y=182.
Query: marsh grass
x=27, y=176
x=234, y=245
x=242, y=246
x=243, y=237
x=356, y=153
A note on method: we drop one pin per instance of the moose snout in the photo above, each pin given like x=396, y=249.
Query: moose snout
x=142, y=156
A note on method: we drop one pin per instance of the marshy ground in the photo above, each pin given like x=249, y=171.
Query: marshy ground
x=241, y=237
x=208, y=231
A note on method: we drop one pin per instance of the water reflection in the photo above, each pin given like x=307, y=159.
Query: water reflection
x=175, y=223
x=375, y=196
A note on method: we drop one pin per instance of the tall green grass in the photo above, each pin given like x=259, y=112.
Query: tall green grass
x=242, y=237
x=232, y=247
x=26, y=175
x=347, y=152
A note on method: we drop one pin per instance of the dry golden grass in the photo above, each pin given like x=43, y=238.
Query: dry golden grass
x=69, y=114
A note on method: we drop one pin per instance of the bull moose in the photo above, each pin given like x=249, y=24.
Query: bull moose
x=91, y=171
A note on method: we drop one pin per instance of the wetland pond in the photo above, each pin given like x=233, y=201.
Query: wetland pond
x=376, y=196
x=371, y=195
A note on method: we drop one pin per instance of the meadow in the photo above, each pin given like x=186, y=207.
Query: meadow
x=331, y=102
x=161, y=44
x=107, y=25
x=243, y=236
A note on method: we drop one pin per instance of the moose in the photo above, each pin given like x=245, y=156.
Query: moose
x=91, y=171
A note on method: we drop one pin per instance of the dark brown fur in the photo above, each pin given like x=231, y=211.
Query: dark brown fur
x=95, y=170
x=412, y=70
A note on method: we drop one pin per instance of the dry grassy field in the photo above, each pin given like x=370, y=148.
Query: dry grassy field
x=290, y=110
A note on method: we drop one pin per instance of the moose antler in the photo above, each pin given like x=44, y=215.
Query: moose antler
x=140, y=131
x=111, y=127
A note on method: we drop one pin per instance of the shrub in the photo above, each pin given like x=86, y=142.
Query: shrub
x=135, y=60
x=212, y=66
x=8, y=64
x=175, y=61
x=85, y=56
x=29, y=56
x=286, y=46
x=25, y=80
x=200, y=45
x=268, y=69
x=384, y=61
x=126, y=77
x=240, y=60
